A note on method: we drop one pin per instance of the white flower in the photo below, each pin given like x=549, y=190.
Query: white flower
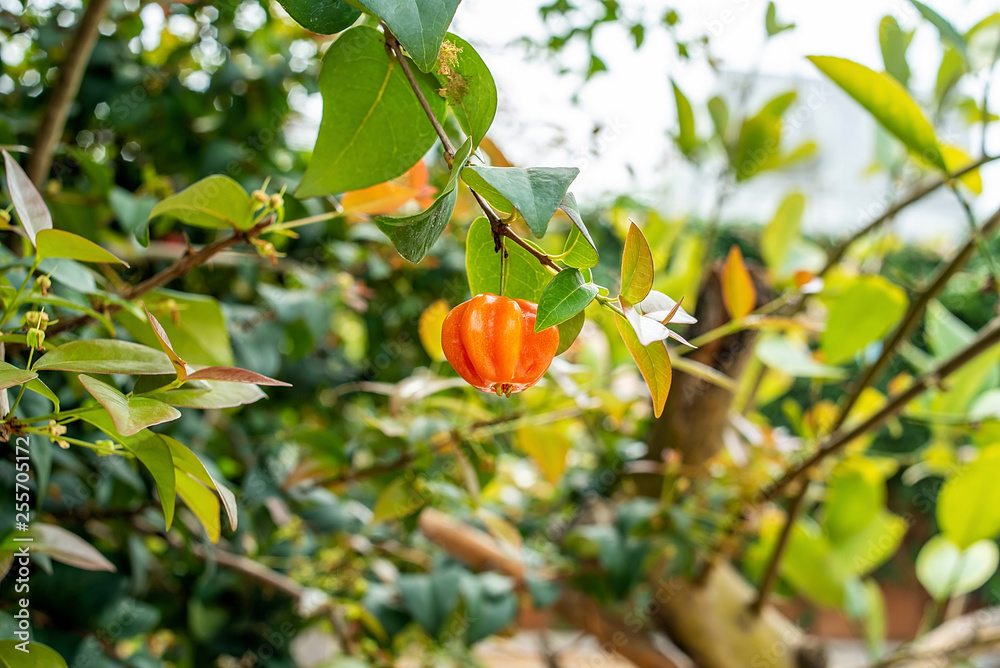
x=650, y=317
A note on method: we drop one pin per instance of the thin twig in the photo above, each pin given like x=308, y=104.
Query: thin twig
x=987, y=338
x=913, y=314
x=499, y=227
x=70, y=76
x=771, y=572
x=180, y=267
x=838, y=253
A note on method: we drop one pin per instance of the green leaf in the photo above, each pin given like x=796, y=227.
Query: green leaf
x=38, y=387
x=567, y=294
x=430, y=598
x=719, y=112
x=855, y=494
x=490, y=604
x=792, y=357
x=396, y=500
x=132, y=212
x=759, y=145
x=470, y=91
x=811, y=566
x=214, y=202
x=868, y=548
x=105, y=356
x=487, y=192
x=373, y=127
x=188, y=462
x=526, y=277
x=945, y=334
x=894, y=43
x=864, y=312
x=653, y=362
x=888, y=102
x=637, y=266
x=580, y=250
x=949, y=73
x=771, y=23
x=194, y=323
x=686, y=138
x=210, y=395
x=536, y=192
x=202, y=503
x=777, y=238
x=11, y=376
x=150, y=449
x=41, y=461
x=326, y=17
x=130, y=414
x=983, y=40
x=413, y=236
x=60, y=243
x=968, y=507
x=949, y=35
x=37, y=656
x=419, y=26
x=945, y=570
x=27, y=201
x=569, y=330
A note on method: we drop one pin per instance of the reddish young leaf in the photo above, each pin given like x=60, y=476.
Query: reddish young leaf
x=738, y=292
x=180, y=366
x=28, y=202
x=231, y=374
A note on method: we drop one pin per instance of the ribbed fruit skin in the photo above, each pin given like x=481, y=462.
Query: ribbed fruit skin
x=491, y=342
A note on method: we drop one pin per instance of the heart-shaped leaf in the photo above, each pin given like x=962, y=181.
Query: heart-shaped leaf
x=536, y=192
x=413, y=236
x=419, y=26
x=326, y=17
x=567, y=294
x=526, y=277
x=378, y=131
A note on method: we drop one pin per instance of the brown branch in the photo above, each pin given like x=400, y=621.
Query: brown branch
x=987, y=338
x=70, y=76
x=773, y=564
x=837, y=254
x=500, y=228
x=480, y=552
x=959, y=638
x=180, y=267
x=913, y=314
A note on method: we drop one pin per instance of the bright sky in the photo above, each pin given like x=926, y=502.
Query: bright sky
x=632, y=104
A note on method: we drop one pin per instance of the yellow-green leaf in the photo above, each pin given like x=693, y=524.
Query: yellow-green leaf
x=548, y=445
x=637, y=266
x=60, y=243
x=653, y=362
x=864, y=312
x=888, y=102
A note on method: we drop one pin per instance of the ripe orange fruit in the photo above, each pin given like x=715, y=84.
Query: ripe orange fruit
x=491, y=342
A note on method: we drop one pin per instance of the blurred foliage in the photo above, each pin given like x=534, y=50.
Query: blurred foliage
x=328, y=475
